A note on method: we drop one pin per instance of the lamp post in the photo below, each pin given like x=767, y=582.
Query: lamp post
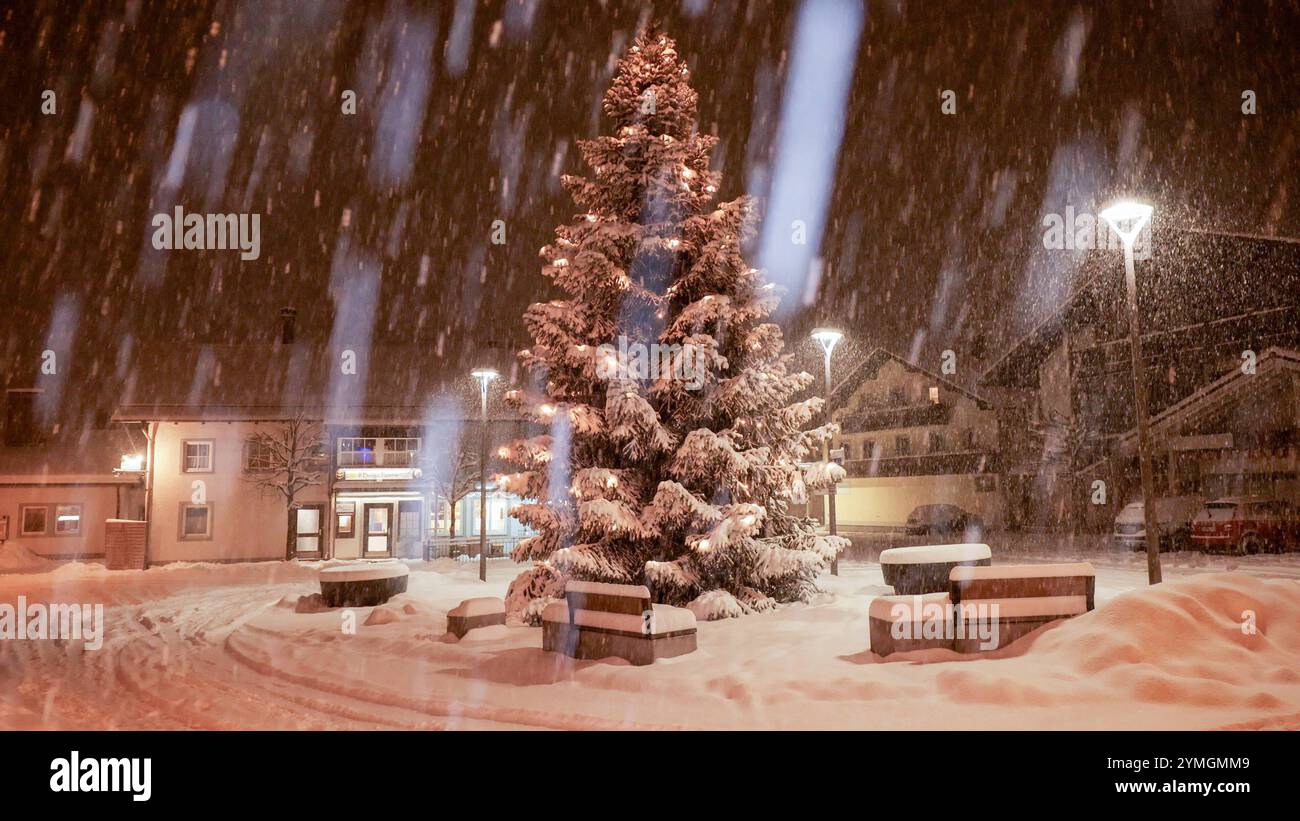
x=1127, y=218
x=827, y=338
x=484, y=377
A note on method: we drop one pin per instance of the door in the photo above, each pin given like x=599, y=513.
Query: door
x=308, y=526
x=410, y=530
x=378, y=536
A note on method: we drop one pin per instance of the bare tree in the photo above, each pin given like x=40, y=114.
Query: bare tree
x=454, y=476
x=286, y=460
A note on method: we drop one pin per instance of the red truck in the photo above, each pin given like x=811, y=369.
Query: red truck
x=1246, y=524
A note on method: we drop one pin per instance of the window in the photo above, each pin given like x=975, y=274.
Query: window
x=196, y=456
x=937, y=443
x=20, y=425
x=259, y=456
x=35, y=520
x=869, y=449
x=67, y=520
x=195, y=522
x=401, y=453
x=847, y=447
x=902, y=446
x=934, y=394
x=345, y=520
x=897, y=395
x=968, y=439
x=356, y=452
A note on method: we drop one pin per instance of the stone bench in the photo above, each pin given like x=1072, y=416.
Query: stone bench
x=924, y=568
x=470, y=614
x=1011, y=601
x=363, y=584
x=596, y=620
x=899, y=624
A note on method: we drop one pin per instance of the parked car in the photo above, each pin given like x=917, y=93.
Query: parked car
x=1246, y=524
x=945, y=520
x=1174, y=515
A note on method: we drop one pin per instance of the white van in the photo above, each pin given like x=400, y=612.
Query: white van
x=1174, y=515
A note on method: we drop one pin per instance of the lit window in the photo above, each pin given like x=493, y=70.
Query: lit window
x=258, y=455
x=345, y=528
x=196, y=521
x=67, y=520
x=401, y=452
x=934, y=394
x=356, y=452
x=196, y=456
x=35, y=520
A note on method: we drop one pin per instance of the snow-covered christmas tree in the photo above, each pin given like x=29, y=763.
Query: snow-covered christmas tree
x=674, y=447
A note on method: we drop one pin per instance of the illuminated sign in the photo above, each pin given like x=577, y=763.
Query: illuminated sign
x=377, y=474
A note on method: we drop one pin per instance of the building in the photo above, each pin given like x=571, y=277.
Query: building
x=1209, y=304
x=1237, y=436
x=56, y=491
x=911, y=437
x=372, y=437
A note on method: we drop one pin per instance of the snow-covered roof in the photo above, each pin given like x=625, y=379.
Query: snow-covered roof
x=1233, y=386
x=869, y=365
x=390, y=384
x=1200, y=276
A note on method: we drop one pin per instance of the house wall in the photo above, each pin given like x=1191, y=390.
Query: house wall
x=888, y=500
x=98, y=502
x=248, y=523
x=892, y=375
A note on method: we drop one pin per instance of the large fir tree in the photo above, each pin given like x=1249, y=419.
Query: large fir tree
x=682, y=481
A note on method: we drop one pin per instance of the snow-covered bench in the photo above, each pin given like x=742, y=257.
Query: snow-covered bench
x=1026, y=596
x=364, y=584
x=925, y=568
x=902, y=623
x=596, y=620
x=472, y=613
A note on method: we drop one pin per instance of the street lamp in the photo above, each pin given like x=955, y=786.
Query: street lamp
x=827, y=338
x=1127, y=218
x=484, y=377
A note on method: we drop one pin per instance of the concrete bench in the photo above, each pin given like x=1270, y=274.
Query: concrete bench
x=364, y=584
x=924, y=568
x=1001, y=604
x=899, y=624
x=596, y=620
x=470, y=614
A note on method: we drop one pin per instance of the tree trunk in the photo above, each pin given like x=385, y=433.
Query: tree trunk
x=451, y=528
x=289, y=533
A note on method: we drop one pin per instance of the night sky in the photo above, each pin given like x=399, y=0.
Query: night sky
x=468, y=112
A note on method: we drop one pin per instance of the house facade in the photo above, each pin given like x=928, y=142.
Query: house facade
x=214, y=492
x=911, y=437
x=1210, y=305
x=58, y=489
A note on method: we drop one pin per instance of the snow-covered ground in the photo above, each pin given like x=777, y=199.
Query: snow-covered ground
x=223, y=646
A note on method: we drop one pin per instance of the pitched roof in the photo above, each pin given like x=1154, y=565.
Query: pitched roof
x=1193, y=278
x=869, y=366
x=1234, y=386
x=389, y=384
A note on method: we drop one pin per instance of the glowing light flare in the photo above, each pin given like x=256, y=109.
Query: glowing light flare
x=1131, y=213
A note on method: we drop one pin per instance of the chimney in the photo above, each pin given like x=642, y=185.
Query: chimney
x=288, y=323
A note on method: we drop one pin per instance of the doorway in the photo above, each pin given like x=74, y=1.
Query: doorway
x=308, y=531
x=378, y=534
